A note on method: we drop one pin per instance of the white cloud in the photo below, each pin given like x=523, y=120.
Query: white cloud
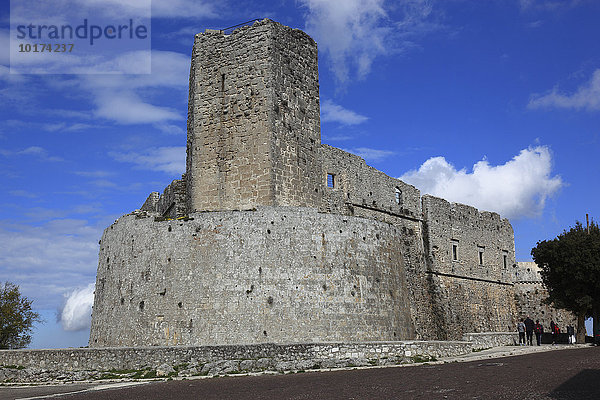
x=128, y=108
x=5, y=75
x=586, y=97
x=76, y=312
x=94, y=174
x=186, y=9
x=548, y=5
x=171, y=129
x=518, y=188
x=338, y=138
x=46, y=258
x=166, y=159
x=123, y=98
x=22, y=193
x=352, y=33
x=331, y=112
x=4, y=45
x=64, y=127
x=35, y=151
x=370, y=154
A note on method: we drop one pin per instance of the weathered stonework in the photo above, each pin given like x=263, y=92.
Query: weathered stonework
x=149, y=362
x=272, y=275
x=469, y=259
x=271, y=236
x=530, y=294
x=253, y=122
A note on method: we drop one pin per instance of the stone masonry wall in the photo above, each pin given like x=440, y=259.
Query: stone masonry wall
x=296, y=135
x=172, y=203
x=151, y=202
x=358, y=186
x=361, y=190
x=128, y=362
x=271, y=275
x=469, y=256
x=530, y=295
x=253, y=119
x=229, y=132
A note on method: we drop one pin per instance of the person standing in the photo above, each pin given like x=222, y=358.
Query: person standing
x=555, y=332
x=571, y=333
x=521, y=330
x=529, y=330
x=539, y=329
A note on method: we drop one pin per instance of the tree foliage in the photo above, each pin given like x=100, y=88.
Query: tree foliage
x=570, y=269
x=16, y=318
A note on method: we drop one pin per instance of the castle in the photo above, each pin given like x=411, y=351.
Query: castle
x=272, y=236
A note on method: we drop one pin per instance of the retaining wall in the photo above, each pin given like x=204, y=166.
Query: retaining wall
x=93, y=363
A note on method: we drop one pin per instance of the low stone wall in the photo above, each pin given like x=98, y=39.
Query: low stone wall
x=149, y=362
x=491, y=339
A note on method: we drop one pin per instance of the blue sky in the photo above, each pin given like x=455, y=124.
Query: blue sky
x=491, y=103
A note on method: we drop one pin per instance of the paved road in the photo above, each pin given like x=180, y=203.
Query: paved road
x=568, y=374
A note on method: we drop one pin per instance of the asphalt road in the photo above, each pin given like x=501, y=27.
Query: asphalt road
x=568, y=374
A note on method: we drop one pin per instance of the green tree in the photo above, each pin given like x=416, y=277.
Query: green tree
x=16, y=318
x=570, y=269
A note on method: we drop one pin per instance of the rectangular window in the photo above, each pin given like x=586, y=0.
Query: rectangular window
x=331, y=180
x=398, y=196
x=505, y=258
x=454, y=251
x=480, y=250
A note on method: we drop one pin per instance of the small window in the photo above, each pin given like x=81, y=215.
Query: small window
x=455, y=251
x=480, y=250
x=398, y=196
x=505, y=259
x=331, y=180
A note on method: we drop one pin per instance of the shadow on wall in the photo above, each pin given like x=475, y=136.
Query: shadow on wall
x=584, y=385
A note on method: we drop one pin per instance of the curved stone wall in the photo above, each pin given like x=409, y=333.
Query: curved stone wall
x=277, y=275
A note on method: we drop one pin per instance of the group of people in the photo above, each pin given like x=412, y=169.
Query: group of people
x=527, y=328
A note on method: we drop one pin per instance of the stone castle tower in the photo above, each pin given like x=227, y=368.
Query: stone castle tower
x=271, y=236
x=253, y=120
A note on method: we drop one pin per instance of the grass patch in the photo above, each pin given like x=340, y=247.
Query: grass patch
x=149, y=374
x=108, y=375
x=422, y=359
x=19, y=367
x=181, y=367
x=122, y=371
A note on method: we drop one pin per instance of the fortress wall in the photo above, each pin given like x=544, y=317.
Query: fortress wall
x=151, y=202
x=273, y=275
x=359, y=186
x=363, y=191
x=472, y=232
x=172, y=203
x=467, y=295
x=530, y=295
